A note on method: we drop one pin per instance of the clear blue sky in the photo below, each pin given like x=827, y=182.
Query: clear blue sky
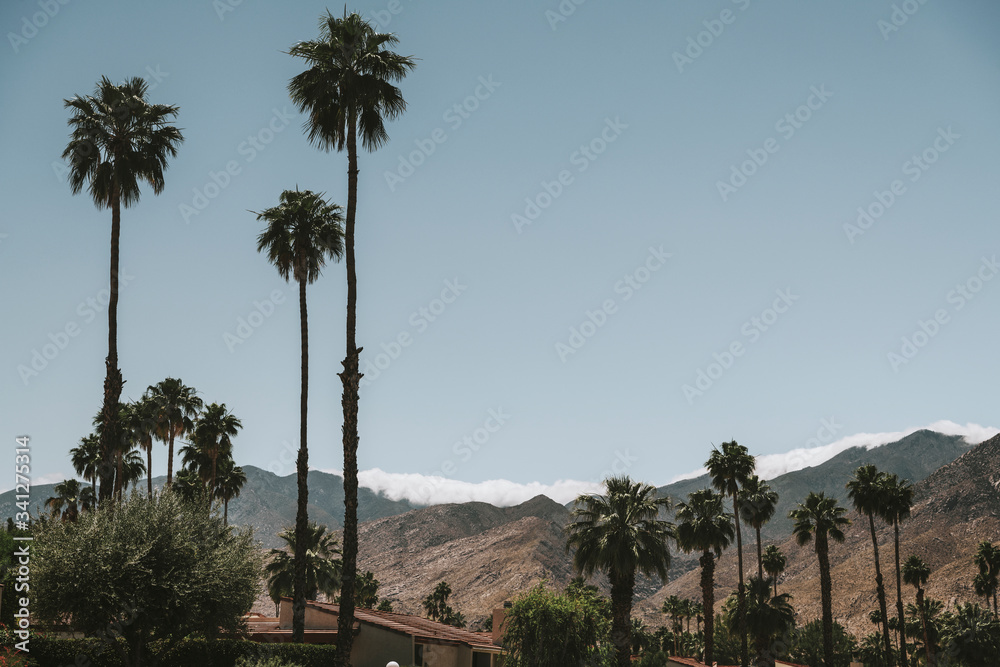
x=739, y=138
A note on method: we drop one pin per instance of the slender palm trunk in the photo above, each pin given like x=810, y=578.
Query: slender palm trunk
x=113, y=376
x=899, y=600
x=215, y=455
x=225, y=511
x=741, y=602
x=760, y=555
x=351, y=378
x=880, y=589
x=826, y=595
x=708, y=601
x=621, y=619
x=928, y=649
x=170, y=458
x=149, y=470
x=302, y=470
x=120, y=474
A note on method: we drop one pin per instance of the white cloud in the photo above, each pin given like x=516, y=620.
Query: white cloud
x=770, y=466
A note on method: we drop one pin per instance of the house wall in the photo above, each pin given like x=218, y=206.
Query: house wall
x=436, y=655
x=376, y=647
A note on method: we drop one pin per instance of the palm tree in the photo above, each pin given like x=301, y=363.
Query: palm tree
x=189, y=484
x=703, y=525
x=820, y=519
x=302, y=232
x=774, y=564
x=757, y=506
x=69, y=495
x=176, y=406
x=123, y=445
x=865, y=491
x=346, y=90
x=86, y=459
x=133, y=468
x=767, y=618
x=730, y=470
x=986, y=583
x=620, y=533
x=672, y=608
x=197, y=463
x=319, y=553
x=214, y=430
x=143, y=428
x=228, y=484
x=118, y=139
x=897, y=497
x=916, y=573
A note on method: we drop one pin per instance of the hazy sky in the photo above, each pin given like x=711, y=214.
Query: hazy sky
x=609, y=234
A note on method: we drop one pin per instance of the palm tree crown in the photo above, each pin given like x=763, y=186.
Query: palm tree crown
x=758, y=504
x=175, y=407
x=303, y=231
x=213, y=433
x=322, y=566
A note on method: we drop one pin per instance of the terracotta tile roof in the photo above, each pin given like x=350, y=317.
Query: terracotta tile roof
x=691, y=662
x=422, y=629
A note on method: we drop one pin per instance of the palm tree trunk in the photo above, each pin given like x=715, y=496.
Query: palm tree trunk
x=350, y=378
x=928, y=649
x=149, y=470
x=621, y=619
x=215, y=458
x=170, y=458
x=880, y=589
x=225, y=511
x=741, y=602
x=826, y=595
x=120, y=473
x=113, y=376
x=302, y=470
x=899, y=600
x=708, y=602
x=760, y=556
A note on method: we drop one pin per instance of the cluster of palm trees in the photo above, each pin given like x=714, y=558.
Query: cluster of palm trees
x=166, y=412
x=626, y=531
x=119, y=139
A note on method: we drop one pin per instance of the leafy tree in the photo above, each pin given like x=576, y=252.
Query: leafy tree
x=865, y=491
x=322, y=567
x=768, y=618
x=149, y=570
x=302, y=232
x=807, y=646
x=757, y=506
x=819, y=519
x=987, y=582
x=620, y=533
x=774, y=564
x=546, y=629
x=897, y=497
x=703, y=525
x=730, y=469
x=118, y=139
x=175, y=407
x=348, y=90
x=386, y=605
x=970, y=637
x=915, y=573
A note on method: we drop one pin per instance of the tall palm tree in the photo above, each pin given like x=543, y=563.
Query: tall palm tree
x=68, y=495
x=704, y=525
x=215, y=429
x=143, y=428
x=986, y=583
x=319, y=552
x=176, y=406
x=133, y=468
x=672, y=608
x=302, y=232
x=197, y=463
x=757, y=506
x=118, y=139
x=229, y=483
x=730, y=468
x=86, y=459
x=348, y=90
x=774, y=564
x=820, y=519
x=620, y=533
x=767, y=617
x=865, y=491
x=916, y=572
x=122, y=446
x=897, y=498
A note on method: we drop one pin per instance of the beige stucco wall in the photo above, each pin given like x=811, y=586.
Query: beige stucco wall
x=436, y=655
x=375, y=647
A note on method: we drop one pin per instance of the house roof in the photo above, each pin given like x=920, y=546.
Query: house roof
x=423, y=630
x=690, y=662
